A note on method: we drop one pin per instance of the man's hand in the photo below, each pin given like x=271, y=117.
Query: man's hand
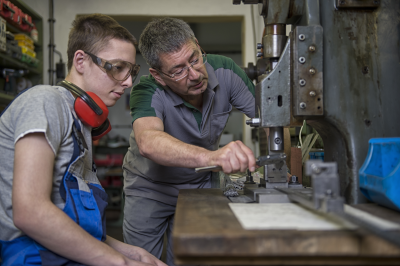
x=233, y=157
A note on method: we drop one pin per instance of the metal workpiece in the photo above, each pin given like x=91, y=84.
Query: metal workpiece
x=273, y=94
x=275, y=175
x=275, y=170
x=276, y=139
x=308, y=71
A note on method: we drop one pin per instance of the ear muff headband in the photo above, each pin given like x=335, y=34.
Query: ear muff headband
x=81, y=94
x=86, y=105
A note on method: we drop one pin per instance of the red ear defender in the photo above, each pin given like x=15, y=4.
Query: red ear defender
x=87, y=115
x=90, y=109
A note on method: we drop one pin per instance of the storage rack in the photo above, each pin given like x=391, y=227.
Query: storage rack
x=35, y=74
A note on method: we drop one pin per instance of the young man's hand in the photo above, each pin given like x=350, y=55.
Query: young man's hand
x=139, y=254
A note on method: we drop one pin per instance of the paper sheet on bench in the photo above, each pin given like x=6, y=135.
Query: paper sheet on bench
x=282, y=216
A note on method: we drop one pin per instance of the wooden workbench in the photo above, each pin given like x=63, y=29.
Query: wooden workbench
x=206, y=232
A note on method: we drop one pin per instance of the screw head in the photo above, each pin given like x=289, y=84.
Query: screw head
x=302, y=60
x=302, y=37
x=302, y=82
x=311, y=48
x=315, y=169
x=312, y=93
x=278, y=141
x=303, y=105
x=312, y=71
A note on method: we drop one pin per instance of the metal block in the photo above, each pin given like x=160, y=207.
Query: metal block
x=265, y=195
x=273, y=94
x=308, y=71
x=326, y=190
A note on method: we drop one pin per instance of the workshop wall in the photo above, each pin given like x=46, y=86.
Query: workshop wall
x=66, y=11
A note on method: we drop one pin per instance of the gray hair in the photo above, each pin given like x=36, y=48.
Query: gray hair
x=163, y=35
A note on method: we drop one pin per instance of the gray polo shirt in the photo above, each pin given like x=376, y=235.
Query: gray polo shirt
x=228, y=86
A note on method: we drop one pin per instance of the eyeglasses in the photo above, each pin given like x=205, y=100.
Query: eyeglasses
x=120, y=70
x=183, y=72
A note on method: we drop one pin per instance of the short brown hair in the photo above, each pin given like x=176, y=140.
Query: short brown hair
x=92, y=33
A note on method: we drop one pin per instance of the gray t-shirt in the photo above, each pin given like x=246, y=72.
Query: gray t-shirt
x=228, y=86
x=45, y=109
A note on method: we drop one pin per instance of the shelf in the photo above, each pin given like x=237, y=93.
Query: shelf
x=11, y=28
x=6, y=98
x=10, y=62
x=26, y=9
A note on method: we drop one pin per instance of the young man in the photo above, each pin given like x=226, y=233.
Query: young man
x=178, y=115
x=51, y=202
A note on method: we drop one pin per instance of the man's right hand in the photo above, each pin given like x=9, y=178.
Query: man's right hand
x=233, y=157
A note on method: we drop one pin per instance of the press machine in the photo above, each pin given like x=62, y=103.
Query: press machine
x=338, y=69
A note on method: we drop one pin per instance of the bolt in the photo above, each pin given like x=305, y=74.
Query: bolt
x=311, y=48
x=302, y=82
x=312, y=71
x=343, y=2
x=303, y=105
x=329, y=192
x=268, y=156
x=259, y=45
x=302, y=37
x=259, y=54
x=315, y=169
x=312, y=93
x=278, y=141
x=302, y=60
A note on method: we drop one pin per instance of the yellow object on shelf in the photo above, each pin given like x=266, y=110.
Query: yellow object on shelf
x=27, y=42
x=26, y=50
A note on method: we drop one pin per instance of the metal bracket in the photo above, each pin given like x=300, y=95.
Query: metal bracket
x=307, y=63
x=275, y=170
x=326, y=189
x=273, y=94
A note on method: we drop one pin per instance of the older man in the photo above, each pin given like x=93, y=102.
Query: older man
x=178, y=115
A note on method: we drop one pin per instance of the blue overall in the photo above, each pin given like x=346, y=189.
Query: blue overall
x=85, y=203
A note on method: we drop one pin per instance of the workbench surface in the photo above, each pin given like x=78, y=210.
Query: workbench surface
x=206, y=232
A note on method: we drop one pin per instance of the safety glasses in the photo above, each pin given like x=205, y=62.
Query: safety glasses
x=120, y=70
x=196, y=64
